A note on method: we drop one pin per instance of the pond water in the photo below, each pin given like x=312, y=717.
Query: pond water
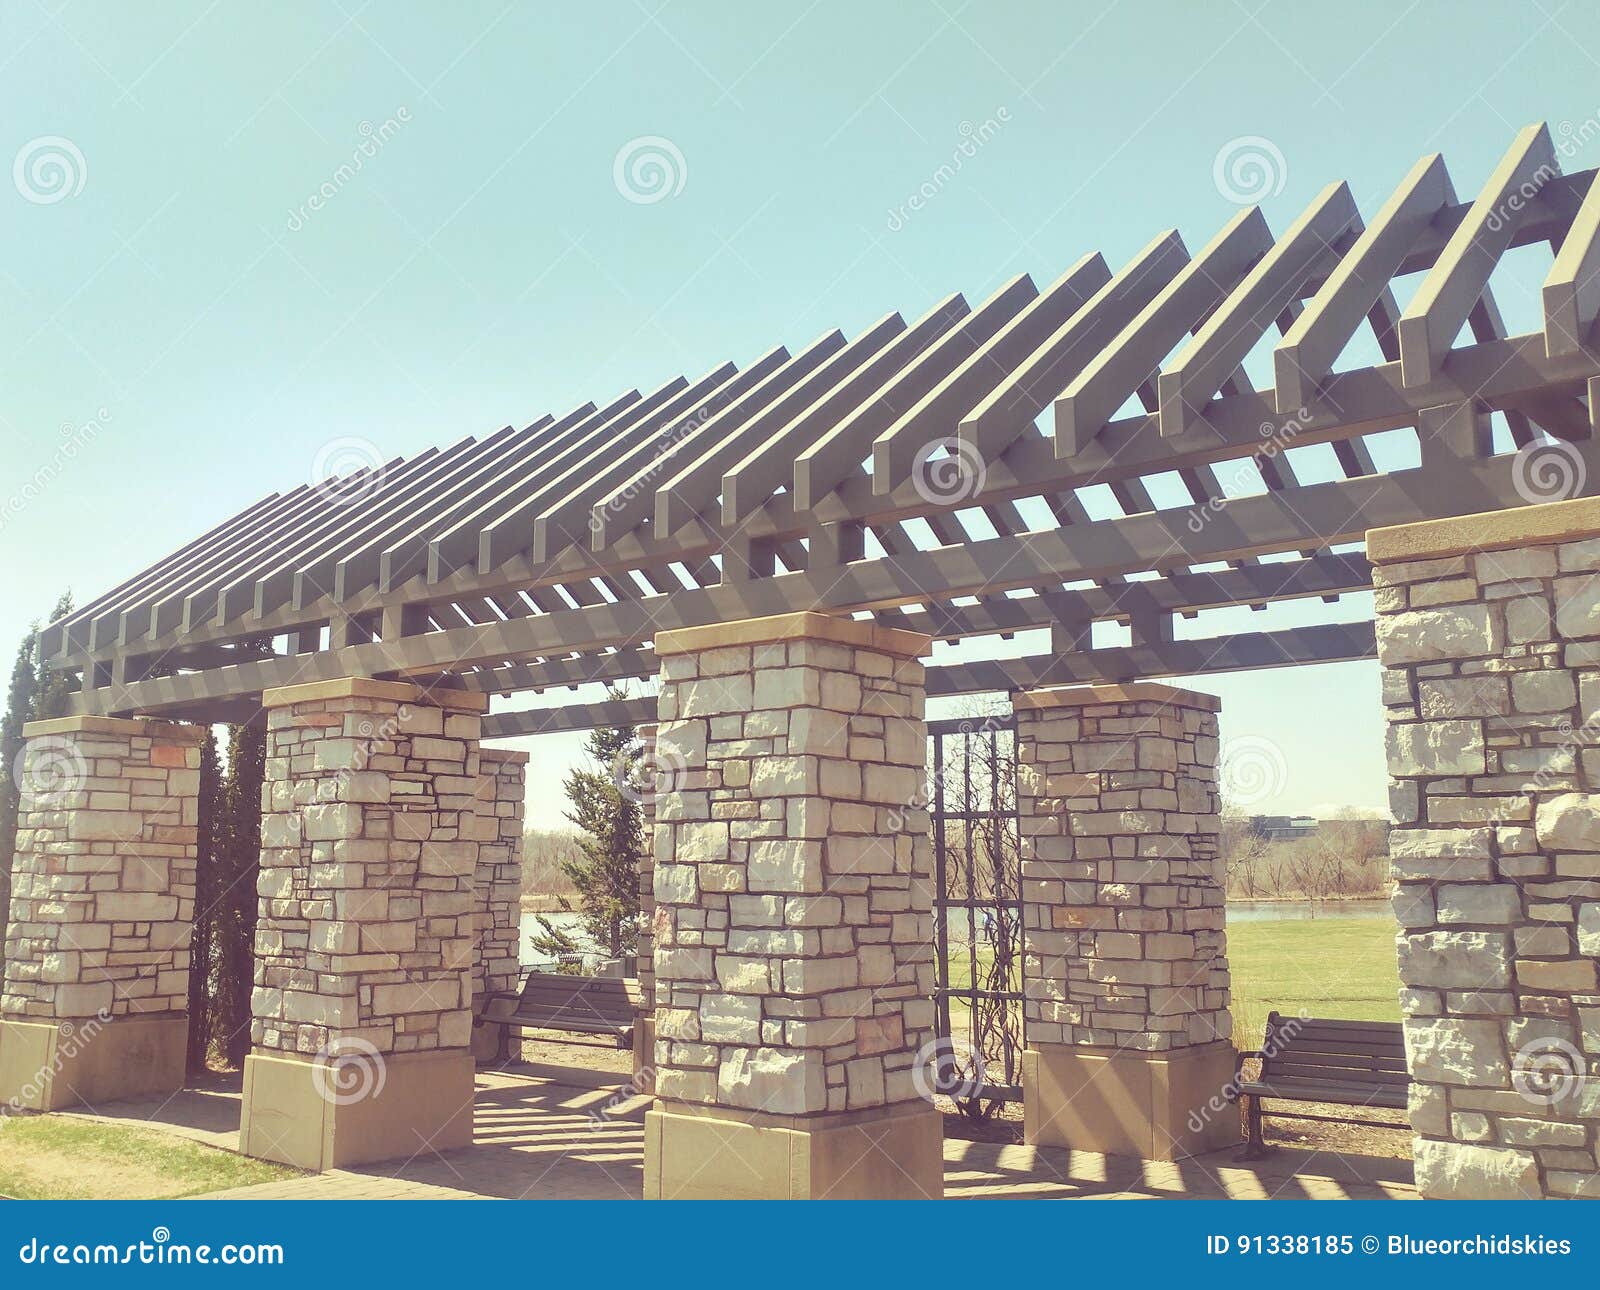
x=1262, y=911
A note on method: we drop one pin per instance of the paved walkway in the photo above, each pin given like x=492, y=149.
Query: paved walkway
x=548, y=1132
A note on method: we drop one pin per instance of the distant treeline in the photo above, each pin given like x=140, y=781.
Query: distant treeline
x=1344, y=858
x=543, y=851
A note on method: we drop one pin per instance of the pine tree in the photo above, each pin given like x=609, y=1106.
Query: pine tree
x=605, y=807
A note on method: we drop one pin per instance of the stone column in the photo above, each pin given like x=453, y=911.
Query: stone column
x=793, y=885
x=1125, y=974
x=96, y=997
x=366, y=935
x=659, y=778
x=1489, y=635
x=497, y=893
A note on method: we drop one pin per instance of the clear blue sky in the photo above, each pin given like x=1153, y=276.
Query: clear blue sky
x=183, y=334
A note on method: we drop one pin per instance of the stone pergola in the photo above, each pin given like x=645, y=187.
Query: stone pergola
x=780, y=545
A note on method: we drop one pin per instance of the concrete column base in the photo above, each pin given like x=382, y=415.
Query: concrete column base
x=49, y=1065
x=713, y=1153
x=491, y=1042
x=304, y=1112
x=1157, y=1106
x=644, y=1048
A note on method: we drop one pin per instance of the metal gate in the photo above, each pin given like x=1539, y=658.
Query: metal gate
x=977, y=911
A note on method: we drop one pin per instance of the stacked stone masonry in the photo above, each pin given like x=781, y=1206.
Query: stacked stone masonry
x=367, y=919
x=104, y=872
x=1491, y=681
x=497, y=876
x=1122, y=911
x=793, y=946
x=658, y=780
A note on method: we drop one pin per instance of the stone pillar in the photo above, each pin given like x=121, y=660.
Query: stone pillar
x=96, y=997
x=1125, y=974
x=793, y=886
x=1489, y=635
x=659, y=778
x=366, y=935
x=497, y=893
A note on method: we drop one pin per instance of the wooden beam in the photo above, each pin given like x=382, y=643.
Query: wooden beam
x=1358, y=284
x=1097, y=392
x=695, y=486
x=939, y=412
x=1253, y=651
x=750, y=482
x=1321, y=514
x=1223, y=342
x=1008, y=412
x=1571, y=293
x=835, y=457
x=564, y=522
x=1429, y=325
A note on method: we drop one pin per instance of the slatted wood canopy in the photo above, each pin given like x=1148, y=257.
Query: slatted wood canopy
x=936, y=474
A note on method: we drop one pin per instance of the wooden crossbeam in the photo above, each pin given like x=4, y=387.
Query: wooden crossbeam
x=938, y=413
x=694, y=488
x=1115, y=374
x=1197, y=372
x=1001, y=418
x=1429, y=325
x=1321, y=514
x=1571, y=294
x=1334, y=643
x=834, y=457
x=1358, y=284
x=751, y=481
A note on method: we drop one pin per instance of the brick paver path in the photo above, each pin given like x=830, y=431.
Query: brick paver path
x=549, y=1132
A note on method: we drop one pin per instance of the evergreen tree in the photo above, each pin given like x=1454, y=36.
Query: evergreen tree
x=208, y=908
x=239, y=851
x=33, y=694
x=54, y=690
x=605, y=807
x=19, y=708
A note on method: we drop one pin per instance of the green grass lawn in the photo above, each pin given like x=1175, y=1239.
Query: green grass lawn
x=57, y=1157
x=1330, y=967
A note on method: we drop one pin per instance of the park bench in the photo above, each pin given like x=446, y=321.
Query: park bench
x=1339, y=1063
x=585, y=1005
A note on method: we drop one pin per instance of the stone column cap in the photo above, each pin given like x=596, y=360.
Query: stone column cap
x=1547, y=522
x=366, y=687
x=1078, y=696
x=148, y=727
x=516, y=755
x=807, y=625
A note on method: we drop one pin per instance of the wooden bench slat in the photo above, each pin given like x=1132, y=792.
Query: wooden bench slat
x=1334, y=1074
x=1389, y=1097
x=588, y=1005
x=1328, y=1061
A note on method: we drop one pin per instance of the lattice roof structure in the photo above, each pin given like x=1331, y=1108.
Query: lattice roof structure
x=933, y=474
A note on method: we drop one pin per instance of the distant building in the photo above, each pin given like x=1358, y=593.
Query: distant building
x=1283, y=828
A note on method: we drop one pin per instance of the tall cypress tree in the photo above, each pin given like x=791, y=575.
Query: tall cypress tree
x=208, y=891
x=239, y=848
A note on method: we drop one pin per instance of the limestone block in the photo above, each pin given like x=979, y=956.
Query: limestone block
x=1460, y=1171
x=1457, y=1051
